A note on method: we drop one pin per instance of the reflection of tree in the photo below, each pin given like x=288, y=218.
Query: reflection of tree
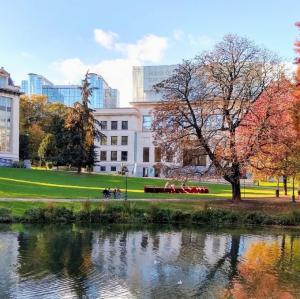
x=56, y=251
x=258, y=273
x=231, y=256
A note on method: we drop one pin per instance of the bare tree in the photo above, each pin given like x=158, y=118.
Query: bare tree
x=206, y=101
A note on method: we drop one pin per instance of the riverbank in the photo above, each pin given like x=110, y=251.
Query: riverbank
x=246, y=212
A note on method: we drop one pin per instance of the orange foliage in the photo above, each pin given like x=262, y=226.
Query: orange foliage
x=257, y=274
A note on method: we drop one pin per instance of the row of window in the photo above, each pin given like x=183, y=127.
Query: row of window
x=114, y=140
x=112, y=168
x=114, y=156
x=124, y=155
x=114, y=125
x=147, y=122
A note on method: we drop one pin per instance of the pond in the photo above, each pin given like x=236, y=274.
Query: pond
x=70, y=261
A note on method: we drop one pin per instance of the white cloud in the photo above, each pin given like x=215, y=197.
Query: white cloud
x=105, y=38
x=150, y=49
x=117, y=72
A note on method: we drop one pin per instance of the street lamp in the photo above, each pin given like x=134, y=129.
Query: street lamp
x=126, y=185
x=125, y=170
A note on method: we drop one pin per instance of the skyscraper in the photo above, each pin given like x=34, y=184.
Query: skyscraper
x=103, y=96
x=143, y=79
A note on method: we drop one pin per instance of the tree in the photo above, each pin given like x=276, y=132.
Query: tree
x=206, y=101
x=47, y=150
x=274, y=158
x=83, y=129
x=37, y=119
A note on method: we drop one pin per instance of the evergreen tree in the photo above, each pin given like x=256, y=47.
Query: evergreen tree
x=82, y=130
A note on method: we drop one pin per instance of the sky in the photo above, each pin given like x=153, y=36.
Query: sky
x=63, y=39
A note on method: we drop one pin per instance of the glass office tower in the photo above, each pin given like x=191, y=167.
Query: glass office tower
x=102, y=96
x=143, y=79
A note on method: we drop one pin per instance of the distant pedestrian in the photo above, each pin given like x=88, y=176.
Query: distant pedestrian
x=104, y=192
x=115, y=193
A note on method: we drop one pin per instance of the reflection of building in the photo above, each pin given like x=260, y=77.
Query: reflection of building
x=103, y=96
x=9, y=120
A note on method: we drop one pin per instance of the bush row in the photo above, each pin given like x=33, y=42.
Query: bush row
x=129, y=213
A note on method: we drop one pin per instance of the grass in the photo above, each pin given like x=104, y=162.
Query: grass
x=25, y=183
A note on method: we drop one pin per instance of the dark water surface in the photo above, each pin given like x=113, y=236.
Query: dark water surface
x=70, y=261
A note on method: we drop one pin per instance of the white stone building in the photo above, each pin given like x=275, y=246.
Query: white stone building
x=129, y=140
x=9, y=120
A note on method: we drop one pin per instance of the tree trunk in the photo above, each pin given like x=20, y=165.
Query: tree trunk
x=79, y=169
x=293, y=194
x=285, y=185
x=236, y=189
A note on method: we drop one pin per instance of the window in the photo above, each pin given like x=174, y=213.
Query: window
x=103, y=156
x=102, y=168
x=113, y=168
x=157, y=154
x=146, y=154
x=147, y=122
x=5, y=124
x=3, y=81
x=124, y=155
x=113, y=156
x=103, y=125
x=114, y=125
x=194, y=157
x=103, y=140
x=124, y=140
x=124, y=125
x=114, y=140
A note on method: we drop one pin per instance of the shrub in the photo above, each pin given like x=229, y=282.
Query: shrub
x=34, y=215
x=5, y=215
x=159, y=215
x=179, y=216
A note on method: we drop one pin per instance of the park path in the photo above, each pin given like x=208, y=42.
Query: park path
x=95, y=199
x=66, y=200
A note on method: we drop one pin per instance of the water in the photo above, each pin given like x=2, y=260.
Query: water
x=70, y=261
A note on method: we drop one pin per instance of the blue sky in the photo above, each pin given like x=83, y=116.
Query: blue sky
x=62, y=39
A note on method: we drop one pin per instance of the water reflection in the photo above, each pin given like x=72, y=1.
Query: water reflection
x=150, y=262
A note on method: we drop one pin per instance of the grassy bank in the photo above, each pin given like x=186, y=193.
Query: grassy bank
x=204, y=212
x=24, y=183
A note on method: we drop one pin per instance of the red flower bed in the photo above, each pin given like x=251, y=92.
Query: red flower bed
x=189, y=189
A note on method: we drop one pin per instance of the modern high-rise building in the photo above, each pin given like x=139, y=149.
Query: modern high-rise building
x=143, y=79
x=103, y=96
x=9, y=119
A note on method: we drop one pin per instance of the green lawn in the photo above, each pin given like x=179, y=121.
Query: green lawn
x=26, y=183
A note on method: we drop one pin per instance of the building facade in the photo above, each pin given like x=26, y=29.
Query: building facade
x=103, y=96
x=9, y=120
x=129, y=141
